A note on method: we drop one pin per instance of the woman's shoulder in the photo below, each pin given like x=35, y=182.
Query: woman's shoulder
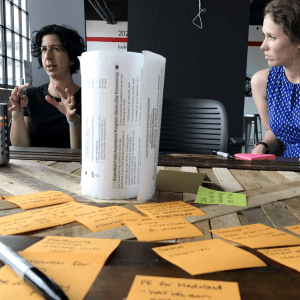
x=260, y=79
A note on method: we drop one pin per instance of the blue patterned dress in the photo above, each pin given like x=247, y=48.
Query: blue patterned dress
x=284, y=110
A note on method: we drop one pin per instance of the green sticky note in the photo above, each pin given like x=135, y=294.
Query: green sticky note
x=208, y=196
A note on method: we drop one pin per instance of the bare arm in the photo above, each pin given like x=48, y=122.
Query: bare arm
x=259, y=92
x=19, y=133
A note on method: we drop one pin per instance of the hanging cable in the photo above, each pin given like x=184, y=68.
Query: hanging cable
x=112, y=16
x=98, y=11
x=198, y=15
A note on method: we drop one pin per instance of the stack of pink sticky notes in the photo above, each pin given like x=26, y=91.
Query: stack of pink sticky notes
x=249, y=156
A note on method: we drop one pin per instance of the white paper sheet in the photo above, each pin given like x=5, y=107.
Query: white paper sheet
x=121, y=114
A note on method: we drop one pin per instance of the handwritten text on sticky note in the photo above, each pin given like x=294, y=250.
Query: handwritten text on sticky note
x=154, y=287
x=208, y=196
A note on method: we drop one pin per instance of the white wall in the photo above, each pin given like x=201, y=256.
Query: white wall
x=60, y=12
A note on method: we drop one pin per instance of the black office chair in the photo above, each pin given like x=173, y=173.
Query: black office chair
x=194, y=126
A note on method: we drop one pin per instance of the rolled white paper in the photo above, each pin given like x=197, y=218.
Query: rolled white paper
x=112, y=133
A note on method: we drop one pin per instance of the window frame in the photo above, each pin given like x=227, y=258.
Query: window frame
x=4, y=29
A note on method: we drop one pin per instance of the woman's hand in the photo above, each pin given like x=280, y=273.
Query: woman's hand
x=66, y=106
x=16, y=100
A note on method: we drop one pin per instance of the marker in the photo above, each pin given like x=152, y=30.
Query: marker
x=31, y=275
x=226, y=155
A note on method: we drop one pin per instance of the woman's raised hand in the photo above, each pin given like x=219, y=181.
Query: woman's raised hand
x=17, y=100
x=67, y=104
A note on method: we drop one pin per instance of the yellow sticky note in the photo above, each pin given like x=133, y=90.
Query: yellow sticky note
x=147, y=229
x=63, y=244
x=24, y=222
x=294, y=228
x=99, y=219
x=39, y=199
x=208, y=256
x=154, y=287
x=173, y=209
x=257, y=236
x=208, y=196
x=289, y=256
x=74, y=273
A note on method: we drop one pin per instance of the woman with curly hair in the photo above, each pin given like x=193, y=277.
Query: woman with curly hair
x=51, y=113
x=276, y=91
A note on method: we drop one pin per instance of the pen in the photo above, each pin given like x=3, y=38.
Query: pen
x=31, y=275
x=226, y=155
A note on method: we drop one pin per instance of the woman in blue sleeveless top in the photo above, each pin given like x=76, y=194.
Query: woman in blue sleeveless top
x=276, y=91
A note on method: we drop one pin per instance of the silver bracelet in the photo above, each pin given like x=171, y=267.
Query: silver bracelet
x=74, y=123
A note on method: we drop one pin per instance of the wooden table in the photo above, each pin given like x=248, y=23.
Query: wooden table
x=273, y=199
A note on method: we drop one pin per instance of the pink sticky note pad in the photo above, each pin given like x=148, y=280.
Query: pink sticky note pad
x=249, y=156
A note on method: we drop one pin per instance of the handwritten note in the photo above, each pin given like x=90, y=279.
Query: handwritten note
x=24, y=222
x=173, y=209
x=294, y=228
x=62, y=244
x=208, y=256
x=147, y=229
x=257, y=236
x=54, y=212
x=74, y=273
x=208, y=196
x=154, y=288
x=39, y=199
x=176, y=181
x=99, y=219
x=289, y=256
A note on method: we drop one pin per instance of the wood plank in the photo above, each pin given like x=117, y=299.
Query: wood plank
x=247, y=182
x=189, y=169
x=292, y=176
x=187, y=197
x=77, y=172
x=160, y=168
x=15, y=187
x=279, y=215
x=204, y=227
x=227, y=180
x=7, y=205
x=226, y=221
x=169, y=196
x=261, y=178
x=276, y=177
x=47, y=162
x=122, y=233
x=173, y=168
x=293, y=205
x=253, y=216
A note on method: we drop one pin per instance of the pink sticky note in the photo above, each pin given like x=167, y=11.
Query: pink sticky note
x=249, y=156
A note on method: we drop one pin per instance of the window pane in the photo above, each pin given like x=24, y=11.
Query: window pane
x=9, y=71
x=24, y=22
x=8, y=14
x=23, y=4
x=17, y=46
x=8, y=43
x=1, y=69
x=16, y=19
x=18, y=72
x=25, y=47
x=16, y=2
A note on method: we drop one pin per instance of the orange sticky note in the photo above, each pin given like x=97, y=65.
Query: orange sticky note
x=289, y=256
x=74, y=273
x=173, y=209
x=99, y=219
x=294, y=228
x=154, y=287
x=257, y=236
x=39, y=199
x=54, y=212
x=208, y=256
x=63, y=244
x=147, y=229
x=24, y=222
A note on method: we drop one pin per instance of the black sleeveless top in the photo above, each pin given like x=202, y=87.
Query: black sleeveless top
x=48, y=126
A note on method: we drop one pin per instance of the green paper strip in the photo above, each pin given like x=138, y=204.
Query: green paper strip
x=208, y=196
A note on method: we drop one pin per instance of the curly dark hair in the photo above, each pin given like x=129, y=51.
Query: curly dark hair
x=286, y=14
x=70, y=40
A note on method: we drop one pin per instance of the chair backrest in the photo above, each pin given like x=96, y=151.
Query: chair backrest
x=193, y=126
